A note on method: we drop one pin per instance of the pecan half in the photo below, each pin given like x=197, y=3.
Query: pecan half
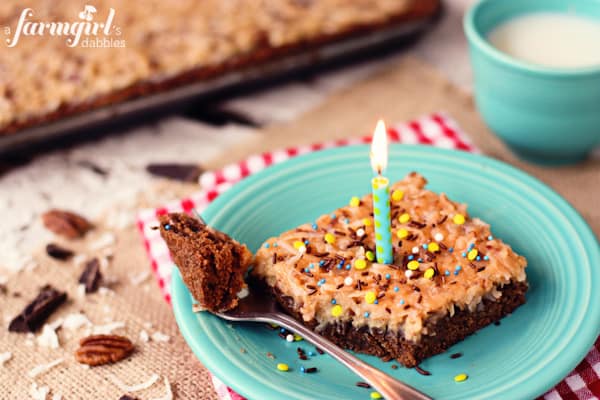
x=103, y=349
x=66, y=223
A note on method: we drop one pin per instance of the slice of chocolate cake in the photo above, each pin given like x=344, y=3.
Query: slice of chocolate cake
x=211, y=263
x=450, y=276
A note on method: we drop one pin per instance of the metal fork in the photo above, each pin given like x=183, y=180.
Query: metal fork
x=259, y=307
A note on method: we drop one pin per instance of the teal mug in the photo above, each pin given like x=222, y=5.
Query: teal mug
x=545, y=115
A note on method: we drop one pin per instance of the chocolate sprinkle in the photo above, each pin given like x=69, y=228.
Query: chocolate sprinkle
x=441, y=221
x=274, y=258
x=422, y=371
x=37, y=312
x=311, y=370
x=175, y=171
x=58, y=252
x=128, y=397
x=91, y=276
x=363, y=385
x=456, y=355
x=319, y=350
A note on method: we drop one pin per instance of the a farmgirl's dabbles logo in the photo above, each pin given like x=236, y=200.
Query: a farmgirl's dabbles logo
x=84, y=32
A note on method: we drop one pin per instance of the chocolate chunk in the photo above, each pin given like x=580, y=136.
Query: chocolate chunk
x=128, y=397
x=178, y=172
x=66, y=223
x=37, y=312
x=58, y=252
x=91, y=276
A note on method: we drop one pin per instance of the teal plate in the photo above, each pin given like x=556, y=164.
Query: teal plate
x=527, y=354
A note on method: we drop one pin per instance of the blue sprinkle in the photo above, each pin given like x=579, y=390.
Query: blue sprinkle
x=458, y=268
x=396, y=288
x=311, y=265
x=425, y=246
x=447, y=273
x=347, y=221
x=478, y=258
x=266, y=245
x=420, y=260
x=333, y=216
x=490, y=237
x=342, y=262
x=376, y=301
x=333, y=301
x=306, y=270
x=306, y=242
x=367, y=314
x=450, y=250
x=282, y=330
x=456, y=272
x=302, y=369
x=322, y=262
x=402, y=302
x=167, y=227
x=310, y=353
x=348, y=267
x=387, y=276
x=321, y=281
x=471, y=246
x=464, y=254
x=339, y=266
x=486, y=258
x=411, y=257
x=315, y=226
x=274, y=244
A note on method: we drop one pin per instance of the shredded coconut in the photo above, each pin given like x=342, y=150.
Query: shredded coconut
x=144, y=337
x=160, y=337
x=103, y=241
x=137, y=279
x=75, y=321
x=168, y=392
x=38, y=393
x=42, y=368
x=108, y=328
x=57, y=396
x=132, y=388
x=48, y=337
x=81, y=291
x=5, y=357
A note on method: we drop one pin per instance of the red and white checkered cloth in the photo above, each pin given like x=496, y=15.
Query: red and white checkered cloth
x=436, y=130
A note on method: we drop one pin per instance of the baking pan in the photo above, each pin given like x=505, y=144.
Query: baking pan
x=139, y=109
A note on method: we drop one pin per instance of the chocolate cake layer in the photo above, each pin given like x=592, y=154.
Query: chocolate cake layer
x=211, y=263
x=441, y=334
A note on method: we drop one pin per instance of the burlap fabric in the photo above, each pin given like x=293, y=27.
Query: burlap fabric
x=405, y=91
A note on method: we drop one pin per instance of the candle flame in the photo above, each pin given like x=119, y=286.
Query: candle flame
x=379, y=148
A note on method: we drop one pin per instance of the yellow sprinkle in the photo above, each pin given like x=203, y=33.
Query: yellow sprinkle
x=472, y=254
x=429, y=272
x=336, y=310
x=413, y=265
x=298, y=244
x=274, y=325
x=355, y=201
x=433, y=247
x=375, y=395
x=297, y=337
x=367, y=222
x=282, y=367
x=459, y=219
x=402, y=233
x=461, y=377
x=370, y=297
x=360, y=264
x=329, y=238
x=370, y=256
x=404, y=218
x=397, y=195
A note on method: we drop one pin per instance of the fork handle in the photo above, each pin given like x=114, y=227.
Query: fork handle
x=389, y=387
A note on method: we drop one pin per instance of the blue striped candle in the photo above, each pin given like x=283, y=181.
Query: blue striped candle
x=381, y=215
x=381, y=196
